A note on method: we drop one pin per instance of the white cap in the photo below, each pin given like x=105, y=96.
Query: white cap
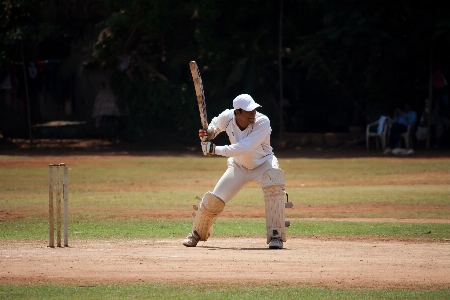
x=245, y=102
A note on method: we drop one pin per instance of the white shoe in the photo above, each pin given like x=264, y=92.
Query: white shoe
x=276, y=243
x=191, y=240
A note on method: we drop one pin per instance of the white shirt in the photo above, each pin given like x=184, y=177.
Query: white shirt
x=249, y=147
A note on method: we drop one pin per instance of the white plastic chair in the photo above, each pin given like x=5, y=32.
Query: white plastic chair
x=407, y=137
x=380, y=136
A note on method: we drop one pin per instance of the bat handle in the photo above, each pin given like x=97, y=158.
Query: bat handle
x=205, y=128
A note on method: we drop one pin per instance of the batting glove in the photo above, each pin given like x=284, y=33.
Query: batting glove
x=206, y=135
x=208, y=148
x=203, y=134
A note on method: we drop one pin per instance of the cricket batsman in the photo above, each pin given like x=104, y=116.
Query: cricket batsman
x=250, y=158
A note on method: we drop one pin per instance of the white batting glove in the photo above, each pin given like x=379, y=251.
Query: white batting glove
x=203, y=135
x=208, y=148
x=206, y=135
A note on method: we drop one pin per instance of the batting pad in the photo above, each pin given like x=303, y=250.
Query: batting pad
x=273, y=189
x=208, y=210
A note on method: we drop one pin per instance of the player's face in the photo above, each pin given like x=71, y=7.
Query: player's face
x=245, y=118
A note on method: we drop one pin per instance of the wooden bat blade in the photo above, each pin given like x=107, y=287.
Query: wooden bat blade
x=198, y=84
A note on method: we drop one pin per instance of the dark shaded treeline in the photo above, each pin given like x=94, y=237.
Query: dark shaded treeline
x=343, y=63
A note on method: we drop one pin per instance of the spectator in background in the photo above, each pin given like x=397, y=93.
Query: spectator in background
x=105, y=105
x=106, y=113
x=402, y=119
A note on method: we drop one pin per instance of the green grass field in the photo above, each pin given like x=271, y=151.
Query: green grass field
x=207, y=291
x=118, y=198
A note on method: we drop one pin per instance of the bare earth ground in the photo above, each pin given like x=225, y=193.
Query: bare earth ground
x=337, y=263
x=363, y=264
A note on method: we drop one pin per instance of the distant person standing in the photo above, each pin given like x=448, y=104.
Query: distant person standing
x=106, y=114
x=105, y=105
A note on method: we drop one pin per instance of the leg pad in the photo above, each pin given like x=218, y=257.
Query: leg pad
x=208, y=210
x=273, y=189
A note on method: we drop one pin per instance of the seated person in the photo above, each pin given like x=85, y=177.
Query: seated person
x=402, y=119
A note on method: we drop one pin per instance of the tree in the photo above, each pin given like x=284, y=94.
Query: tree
x=375, y=50
x=352, y=52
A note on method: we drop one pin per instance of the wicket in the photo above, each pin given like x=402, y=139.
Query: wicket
x=51, y=220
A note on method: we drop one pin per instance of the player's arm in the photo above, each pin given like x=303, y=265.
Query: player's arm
x=207, y=135
x=249, y=143
x=216, y=126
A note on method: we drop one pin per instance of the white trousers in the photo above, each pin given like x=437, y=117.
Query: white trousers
x=236, y=176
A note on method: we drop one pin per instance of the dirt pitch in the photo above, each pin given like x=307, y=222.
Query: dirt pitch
x=331, y=263
x=336, y=263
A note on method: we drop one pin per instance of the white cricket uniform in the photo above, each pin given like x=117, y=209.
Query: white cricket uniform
x=249, y=154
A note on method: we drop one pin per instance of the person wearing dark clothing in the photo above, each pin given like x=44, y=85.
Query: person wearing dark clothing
x=402, y=119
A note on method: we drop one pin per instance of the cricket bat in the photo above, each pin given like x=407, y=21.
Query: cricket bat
x=198, y=84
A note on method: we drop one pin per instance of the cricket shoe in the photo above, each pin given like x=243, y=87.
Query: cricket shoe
x=191, y=240
x=276, y=243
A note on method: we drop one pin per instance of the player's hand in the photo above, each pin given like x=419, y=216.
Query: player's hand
x=203, y=135
x=208, y=148
x=206, y=135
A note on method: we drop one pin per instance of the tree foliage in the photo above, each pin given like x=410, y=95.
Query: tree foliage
x=376, y=50
x=352, y=51
x=19, y=20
